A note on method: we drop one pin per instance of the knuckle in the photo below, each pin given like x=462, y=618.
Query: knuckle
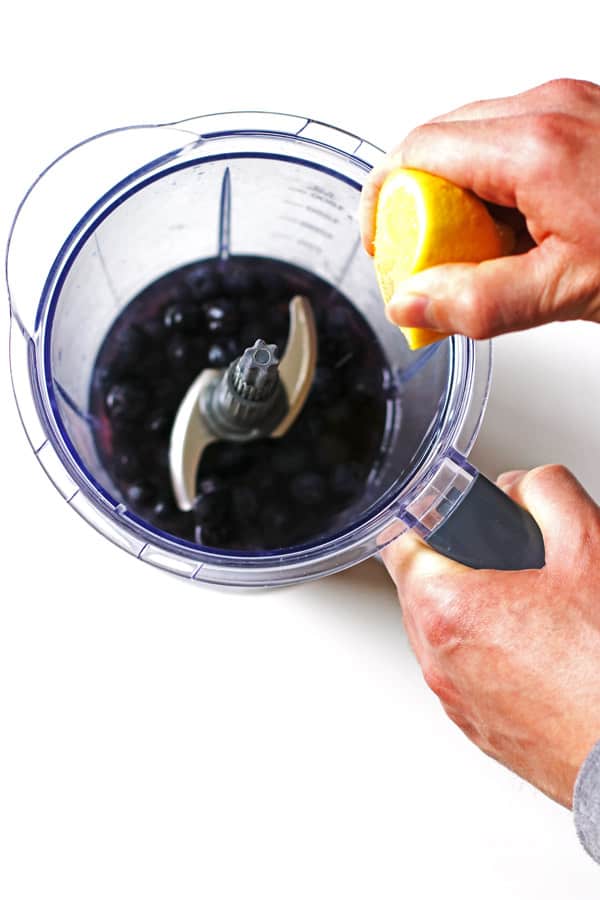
x=549, y=140
x=441, y=625
x=452, y=615
x=416, y=133
x=481, y=325
x=477, y=314
x=569, y=90
x=409, y=150
x=436, y=681
x=550, y=474
x=461, y=720
x=543, y=129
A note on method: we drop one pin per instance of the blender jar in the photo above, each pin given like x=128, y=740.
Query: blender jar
x=119, y=211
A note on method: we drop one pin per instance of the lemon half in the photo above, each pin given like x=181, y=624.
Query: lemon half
x=423, y=220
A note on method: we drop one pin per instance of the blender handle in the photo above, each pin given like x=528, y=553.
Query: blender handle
x=488, y=530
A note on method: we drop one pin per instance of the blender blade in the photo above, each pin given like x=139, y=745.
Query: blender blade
x=222, y=404
x=298, y=364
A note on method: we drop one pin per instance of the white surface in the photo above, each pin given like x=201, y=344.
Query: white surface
x=160, y=740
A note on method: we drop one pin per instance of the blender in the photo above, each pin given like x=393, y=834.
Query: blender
x=118, y=214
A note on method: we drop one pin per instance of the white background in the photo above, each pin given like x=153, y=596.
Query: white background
x=160, y=740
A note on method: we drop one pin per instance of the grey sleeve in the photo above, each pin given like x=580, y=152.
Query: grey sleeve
x=586, y=803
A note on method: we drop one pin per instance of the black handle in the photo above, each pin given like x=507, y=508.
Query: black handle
x=488, y=530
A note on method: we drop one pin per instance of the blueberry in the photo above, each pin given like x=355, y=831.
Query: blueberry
x=183, y=317
x=140, y=493
x=102, y=377
x=252, y=331
x=211, y=484
x=311, y=425
x=168, y=395
x=150, y=367
x=212, y=502
x=164, y=510
x=178, y=352
x=365, y=382
x=130, y=344
x=160, y=458
x=308, y=488
x=216, y=534
x=330, y=449
x=204, y=284
x=155, y=331
x=222, y=353
x=126, y=464
x=347, y=479
x=259, y=453
x=273, y=288
x=208, y=510
x=275, y=520
x=339, y=320
x=159, y=422
x=327, y=386
x=166, y=516
x=250, y=309
x=289, y=459
x=226, y=458
x=245, y=502
x=173, y=290
x=337, y=346
x=238, y=279
x=222, y=317
x=335, y=352
x=125, y=401
x=279, y=319
x=263, y=478
x=184, y=353
x=341, y=414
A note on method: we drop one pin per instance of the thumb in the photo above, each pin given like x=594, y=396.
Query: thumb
x=567, y=515
x=483, y=299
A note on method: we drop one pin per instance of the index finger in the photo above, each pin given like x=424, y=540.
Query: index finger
x=566, y=95
x=477, y=154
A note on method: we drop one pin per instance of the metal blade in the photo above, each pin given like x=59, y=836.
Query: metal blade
x=189, y=438
x=297, y=366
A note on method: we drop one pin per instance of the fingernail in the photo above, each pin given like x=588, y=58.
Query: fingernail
x=413, y=310
x=508, y=479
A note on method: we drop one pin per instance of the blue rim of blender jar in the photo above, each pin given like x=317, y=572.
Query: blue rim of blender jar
x=72, y=460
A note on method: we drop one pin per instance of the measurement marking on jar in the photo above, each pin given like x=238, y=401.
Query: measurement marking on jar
x=314, y=211
x=308, y=225
x=323, y=214
x=314, y=247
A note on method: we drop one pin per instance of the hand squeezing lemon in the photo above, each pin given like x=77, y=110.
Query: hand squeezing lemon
x=423, y=220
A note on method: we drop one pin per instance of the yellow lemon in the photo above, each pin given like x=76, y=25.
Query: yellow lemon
x=423, y=220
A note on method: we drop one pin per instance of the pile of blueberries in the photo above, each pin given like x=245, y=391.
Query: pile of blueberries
x=260, y=495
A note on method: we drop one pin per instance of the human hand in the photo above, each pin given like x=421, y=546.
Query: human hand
x=514, y=656
x=537, y=156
